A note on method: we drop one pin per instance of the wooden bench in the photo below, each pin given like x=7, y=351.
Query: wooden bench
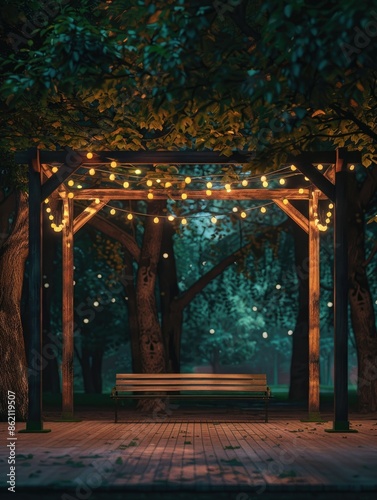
x=191, y=385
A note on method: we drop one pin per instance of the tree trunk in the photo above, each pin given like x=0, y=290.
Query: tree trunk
x=133, y=325
x=153, y=358
x=168, y=285
x=299, y=381
x=362, y=312
x=13, y=253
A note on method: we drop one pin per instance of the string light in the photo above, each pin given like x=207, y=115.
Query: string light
x=138, y=171
x=112, y=177
x=51, y=217
x=97, y=201
x=165, y=255
x=113, y=164
x=70, y=195
x=282, y=181
x=285, y=201
x=150, y=196
x=92, y=171
x=156, y=220
x=235, y=209
x=168, y=184
x=263, y=210
x=158, y=181
x=208, y=192
x=352, y=167
x=243, y=214
x=320, y=167
x=300, y=190
x=130, y=216
x=48, y=210
x=71, y=183
x=47, y=200
x=228, y=187
x=306, y=178
x=213, y=220
x=184, y=196
x=89, y=156
x=329, y=214
x=293, y=168
x=149, y=183
x=331, y=205
x=244, y=183
x=184, y=221
x=54, y=170
x=171, y=218
x=126, y=184
x=209, y=185
x=113, y=211
x=187, y=180
x=263, y=178
x=265, y=184
x=328, y=221
x=264, y=335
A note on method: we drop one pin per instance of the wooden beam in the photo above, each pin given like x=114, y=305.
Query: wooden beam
x=87, y=214
x=317, y=179
x=234, y=194
x=341, y=423
x=325, y=157
x=34, y=419
x=314, y=293
x=294, y=214
x=72, y=163
x=67, y=313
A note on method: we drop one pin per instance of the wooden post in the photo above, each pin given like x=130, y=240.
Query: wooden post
x=67, y=314
x=314, y=293
x=341, y=423
x=35, y=361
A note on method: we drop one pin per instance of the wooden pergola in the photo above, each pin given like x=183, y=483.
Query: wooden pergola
x=332, y=185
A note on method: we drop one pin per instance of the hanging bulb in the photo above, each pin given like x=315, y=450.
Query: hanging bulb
x=331, y=205
x=300, y=190
x=265, y=184
x=113, y=211
x=209, y=185
x=47, y=200
x=92, y=171
x=263, y=210
x=51, y=217
x=48, y=210
x=97, y=201
x=70, y=195
x=184, y=221
x=213, y=220
x=156, y=220
x=329, y=214
x=184, y=196
x=113, y=164
x=293, y=168
x=71, y=183
x=208, y=192
x=285, y=201
x=235, y=209
x=150, y=196
x=89, y=156
x=54, y=170
x=352, y=167
x=112, y=177
x=126, y=184
x=149, y=183
x=130, y=216
x=243, y=214
x=244, y=182
x=171, y=218
x=320, y=167
x=282, y=182
x=168, y=184
x=187, y=180
x=228, y=187
x=263, y=178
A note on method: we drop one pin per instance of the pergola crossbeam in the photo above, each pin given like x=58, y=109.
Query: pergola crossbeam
x=294, y=214
x=87, y=214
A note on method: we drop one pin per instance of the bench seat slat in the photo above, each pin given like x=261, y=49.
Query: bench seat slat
x=180, y=387
x=150, y=376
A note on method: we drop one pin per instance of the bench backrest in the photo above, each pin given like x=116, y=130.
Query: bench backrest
x=137, y=382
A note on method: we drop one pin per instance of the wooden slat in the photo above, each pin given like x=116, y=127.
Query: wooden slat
x=182, y=387
x=195, y=382
x=191, y=375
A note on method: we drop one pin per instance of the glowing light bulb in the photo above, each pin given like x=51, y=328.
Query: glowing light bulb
x=130, y=216
x=265, y=184
x=278, y=286
x=213, y=220
x=113, y=211
x=54, y=170
x=329, y=214
x=126, y=184
x=331, y=205
x=150, y=196
x=158, y=181
x=255, y=308
x=235, y=209
x=301, y=190
x=89, y=156
x=209, y=185
x=211, y=331
x=51, y=217
x=184, y=221
x=168, y=184
x=149, y=183
x=263, y=178
x=113, y=164
x=243, y=214
x=70, y=195
x=92, y=171
x=328, y=221
x=290, y=332
x=53, y=225
x=263, y=210
x=184, y=196
x=165, y=255
x=96, y=201
x=329, y=304
x=171, y=217
x=285, y=201
x=71, y=183
x=47, y=200
x=264, y=335
x=352, y=167
x=320, y=167
x=138, y=171
x=48, y=210
x=282, y=181
x=156, y=220
x=244, y=182
x=112, y=177
x=188, y=180
x=293, y=168
x=228, y=187
x=208, y=192
x=306, y=178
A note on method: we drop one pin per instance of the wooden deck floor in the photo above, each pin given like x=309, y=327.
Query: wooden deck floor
x=197, y=452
